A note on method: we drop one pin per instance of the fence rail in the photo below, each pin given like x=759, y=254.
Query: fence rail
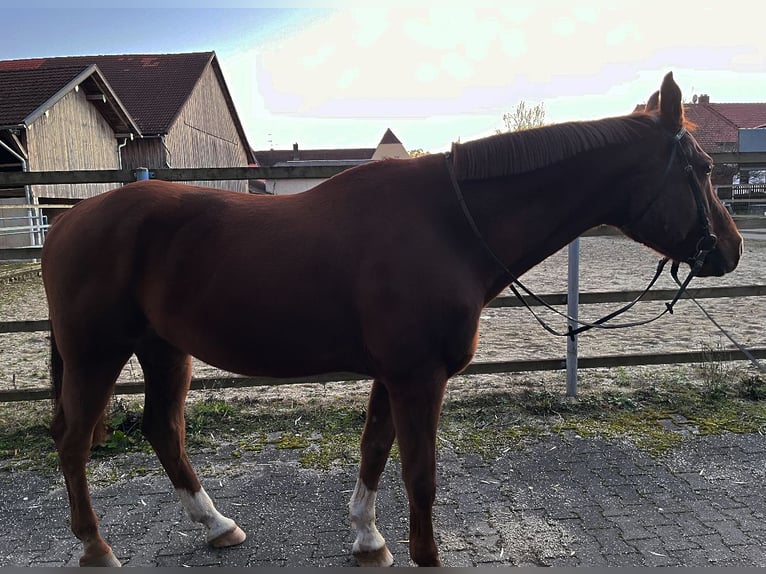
x=586, y=298
x=477, y=368
x=20, y=253
x=21, y=178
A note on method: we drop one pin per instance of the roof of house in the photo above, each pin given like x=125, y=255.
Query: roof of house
x=389, y=138
x=272, y=157
x=718, y=123
x=24, y=91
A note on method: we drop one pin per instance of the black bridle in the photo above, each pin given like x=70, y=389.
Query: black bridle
x=708, y=241
x=705, y=245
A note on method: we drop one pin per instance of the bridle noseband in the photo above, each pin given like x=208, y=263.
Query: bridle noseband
x=705, y=245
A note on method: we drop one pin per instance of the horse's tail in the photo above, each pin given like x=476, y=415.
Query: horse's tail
x=57, y=375
x=58, y=424
x=57, y=372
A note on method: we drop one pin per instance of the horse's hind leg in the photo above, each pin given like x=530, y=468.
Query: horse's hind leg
x=85, y=395
x=167, y=374
x=369, y=547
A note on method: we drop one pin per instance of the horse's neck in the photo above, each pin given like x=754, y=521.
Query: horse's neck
x=526, y=218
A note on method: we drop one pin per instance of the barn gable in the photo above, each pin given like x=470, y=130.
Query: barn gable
x=178, y=107
x=62, y=118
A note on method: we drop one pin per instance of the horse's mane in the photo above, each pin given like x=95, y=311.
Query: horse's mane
x=527, y=150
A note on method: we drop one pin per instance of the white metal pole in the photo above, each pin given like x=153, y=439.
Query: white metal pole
x=573, y=300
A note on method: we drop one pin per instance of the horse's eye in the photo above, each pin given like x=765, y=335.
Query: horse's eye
x=708, y=169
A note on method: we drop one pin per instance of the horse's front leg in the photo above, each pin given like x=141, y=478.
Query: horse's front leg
x=370, y=547
x=415, y=408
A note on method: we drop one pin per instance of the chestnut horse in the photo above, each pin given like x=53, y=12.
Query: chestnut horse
x=382, y=270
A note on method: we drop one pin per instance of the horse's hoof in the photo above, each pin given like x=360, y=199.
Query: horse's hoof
x=108, y=560
x=380, y=558
x=231, y=538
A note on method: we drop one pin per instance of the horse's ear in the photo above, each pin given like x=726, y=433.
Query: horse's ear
x=653, y=103
x=671, y=108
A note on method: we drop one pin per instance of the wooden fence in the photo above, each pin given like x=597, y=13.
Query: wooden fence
x=16, y=179
x=476, y=368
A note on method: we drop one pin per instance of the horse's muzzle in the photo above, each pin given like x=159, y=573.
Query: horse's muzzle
x=723, y=259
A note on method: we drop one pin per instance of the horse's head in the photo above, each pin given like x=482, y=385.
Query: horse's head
x=680, y=214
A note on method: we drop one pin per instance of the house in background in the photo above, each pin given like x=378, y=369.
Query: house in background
x=114, y=112
x=389, y=147
x=718, y=128
x=733, y=127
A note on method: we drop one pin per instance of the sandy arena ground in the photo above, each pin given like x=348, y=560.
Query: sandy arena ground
x=608, y=263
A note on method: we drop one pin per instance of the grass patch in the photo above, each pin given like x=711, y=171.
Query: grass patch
x=640, y=426
x=123, y=432
x=489, y=424
x=25, y=440
x=326, y=435
x=710, y=407
x=12, y=267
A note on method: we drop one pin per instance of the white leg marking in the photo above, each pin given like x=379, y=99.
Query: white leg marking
x=362, y=511
x=200, y=509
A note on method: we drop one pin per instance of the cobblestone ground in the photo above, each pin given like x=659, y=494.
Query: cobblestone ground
x=560, y=501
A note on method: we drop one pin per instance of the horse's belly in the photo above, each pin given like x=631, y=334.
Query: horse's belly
x=279, y=350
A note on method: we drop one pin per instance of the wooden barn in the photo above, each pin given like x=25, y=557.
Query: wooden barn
x=113, y=112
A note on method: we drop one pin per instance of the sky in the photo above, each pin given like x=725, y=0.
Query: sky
x=329, y=74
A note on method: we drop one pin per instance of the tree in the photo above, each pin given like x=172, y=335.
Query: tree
x=418, y=152
x=524, y=118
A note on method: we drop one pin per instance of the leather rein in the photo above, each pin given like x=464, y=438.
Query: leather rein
x=705, y=245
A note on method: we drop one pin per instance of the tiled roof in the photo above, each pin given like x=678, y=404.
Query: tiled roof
x=718, y=123
x=152, y=87
x=24, y=91
x=743, y=115
x=714, y=131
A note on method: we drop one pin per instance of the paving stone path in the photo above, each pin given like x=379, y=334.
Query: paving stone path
x=560, y=501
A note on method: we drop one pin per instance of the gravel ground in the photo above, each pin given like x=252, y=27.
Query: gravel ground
x=608, y=263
